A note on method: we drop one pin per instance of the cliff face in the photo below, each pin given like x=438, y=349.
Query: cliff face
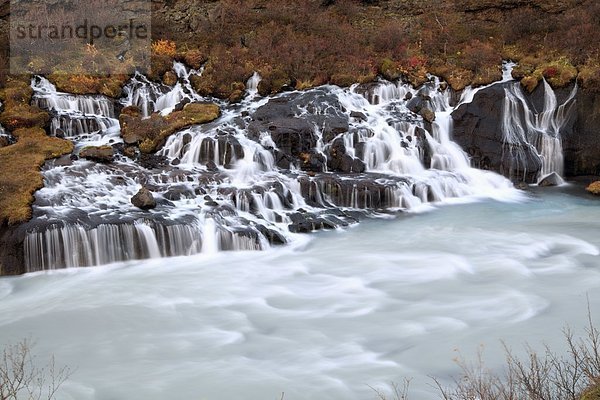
x=478, y=128
x=582, y=147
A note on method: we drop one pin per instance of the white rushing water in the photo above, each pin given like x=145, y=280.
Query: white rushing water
x=540, y=129
x=383, y=301
x=227, y=189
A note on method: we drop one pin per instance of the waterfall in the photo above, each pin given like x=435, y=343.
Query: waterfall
x=234, y=184
x=538, y=129
x=71, y=246
x=86, y=119
x=152, y=97
x=252, y=84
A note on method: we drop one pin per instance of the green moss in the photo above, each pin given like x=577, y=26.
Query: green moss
x=169, y=78
x=23, y=116
x=21, y=175
x=273, y=81
x=558, y=73
x=390, y=70
x=194, y=58
x=344, y=80
x=160, y=64
x=589, y=76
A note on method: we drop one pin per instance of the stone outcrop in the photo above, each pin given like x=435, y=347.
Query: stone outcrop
x=478, y=130
x=103, y=154
x=144, y=199
x=582, y=148
x=552, y=179
x=151, y=133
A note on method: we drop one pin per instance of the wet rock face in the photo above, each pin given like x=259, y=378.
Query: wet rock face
x=478, y=130
x=11, y=243
x=582, y=147
x=296, y=123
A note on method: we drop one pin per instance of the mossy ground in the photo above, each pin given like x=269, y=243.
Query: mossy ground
x=21, y=162
x=21, y=175
x=150, y=133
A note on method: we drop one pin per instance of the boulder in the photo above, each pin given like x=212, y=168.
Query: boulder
x=427, y=114
x=552, y=179
x=144, y=199
x=358, y=115
x=104, y=154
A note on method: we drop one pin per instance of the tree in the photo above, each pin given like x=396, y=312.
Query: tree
x=21, y=378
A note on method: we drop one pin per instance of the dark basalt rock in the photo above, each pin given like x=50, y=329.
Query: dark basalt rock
x=581, y=147
x=292, y=121
x=11, y=249
x=144, y=199
x=358, y=115
x=339, y=161
x=4, y=141
x=478, y=130
x=229, y=149
x=291, y=135
x=179, y=192
x=552, y=179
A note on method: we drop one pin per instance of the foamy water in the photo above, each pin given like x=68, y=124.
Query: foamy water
x=322, y=318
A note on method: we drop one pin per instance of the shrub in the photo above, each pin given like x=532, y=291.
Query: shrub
x=164, y=47
x=20, y=377
x=545, y=376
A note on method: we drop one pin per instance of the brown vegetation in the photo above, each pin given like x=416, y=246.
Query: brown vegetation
x=307, y=43
x=21, y=176
x=150, y=133
x=594, y=188
x=545, y=375
x=21, y=161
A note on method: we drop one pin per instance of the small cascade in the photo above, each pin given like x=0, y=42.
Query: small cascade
x=538, y=129
x=5, y=137
x=71, y=246
x=252, y=84
x=89, y=119
x=151, y=97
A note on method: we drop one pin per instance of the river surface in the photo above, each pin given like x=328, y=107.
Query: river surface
x=326, y=317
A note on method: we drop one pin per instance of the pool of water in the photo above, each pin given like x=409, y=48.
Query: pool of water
x=324, y=318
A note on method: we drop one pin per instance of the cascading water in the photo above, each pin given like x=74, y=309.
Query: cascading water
x=88, y=120
x=268, y=168
x=540, y=129
x=152, y=97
